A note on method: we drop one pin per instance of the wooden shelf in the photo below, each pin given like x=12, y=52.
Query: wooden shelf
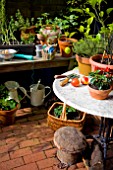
x=22, y=64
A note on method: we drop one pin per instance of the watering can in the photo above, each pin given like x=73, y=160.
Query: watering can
x=38, y=94
x=13, y=86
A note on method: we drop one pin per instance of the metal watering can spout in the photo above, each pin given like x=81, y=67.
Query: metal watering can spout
x=12, y=86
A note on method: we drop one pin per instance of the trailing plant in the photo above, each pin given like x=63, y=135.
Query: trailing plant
x=101, y=79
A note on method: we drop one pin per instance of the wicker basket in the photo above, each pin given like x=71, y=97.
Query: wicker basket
x=55, y=123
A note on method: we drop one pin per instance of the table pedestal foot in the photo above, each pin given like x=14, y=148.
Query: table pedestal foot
x=105, y=136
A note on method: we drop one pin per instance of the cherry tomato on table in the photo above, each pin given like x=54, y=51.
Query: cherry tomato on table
x=75, y=82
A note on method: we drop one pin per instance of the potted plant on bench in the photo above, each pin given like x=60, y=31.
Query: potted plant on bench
x=8, y=107
x=15, y=32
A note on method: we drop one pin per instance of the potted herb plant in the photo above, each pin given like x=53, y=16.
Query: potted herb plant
x=48, y=28
x=65, y=39
x=100, y=84
x=66, y=44
x=85, y=48
x=59, y=114
x=8, y=107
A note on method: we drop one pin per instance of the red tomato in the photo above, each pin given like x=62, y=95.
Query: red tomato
x=75, y=82
x=84, y=80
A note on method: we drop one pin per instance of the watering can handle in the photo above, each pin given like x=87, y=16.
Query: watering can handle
x=24, y=91
x=47, y=87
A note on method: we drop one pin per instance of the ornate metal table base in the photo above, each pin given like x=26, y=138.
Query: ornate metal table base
x=105, y=135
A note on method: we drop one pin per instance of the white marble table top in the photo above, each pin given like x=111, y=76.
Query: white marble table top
x=79, y=98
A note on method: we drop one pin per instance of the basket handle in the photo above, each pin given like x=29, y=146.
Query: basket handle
x=63, y=114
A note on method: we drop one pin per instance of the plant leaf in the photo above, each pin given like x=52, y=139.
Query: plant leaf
x=90, y=20
x=109, y=10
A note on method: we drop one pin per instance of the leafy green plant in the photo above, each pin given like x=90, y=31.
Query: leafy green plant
x=5, y=102
x=87, y=47
x=10, y=26
x=2, y=14
x=101, y=79
x=94, y=13
x=58, y=110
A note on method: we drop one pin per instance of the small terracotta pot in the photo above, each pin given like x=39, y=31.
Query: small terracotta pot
x=84, y=65
x=66, y=42
x=95, y=64
x=99, y=94
x=7, y=117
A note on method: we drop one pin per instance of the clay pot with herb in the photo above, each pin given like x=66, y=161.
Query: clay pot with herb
x=8, y=107
x=100, y=84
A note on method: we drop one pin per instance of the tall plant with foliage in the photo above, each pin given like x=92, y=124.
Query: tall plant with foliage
x=2, y=15
x=2, y=12
x=94, y=13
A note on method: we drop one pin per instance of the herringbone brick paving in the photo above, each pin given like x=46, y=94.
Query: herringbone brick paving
x=28, y=143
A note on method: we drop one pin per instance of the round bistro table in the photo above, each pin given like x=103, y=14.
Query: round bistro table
x=79, y=98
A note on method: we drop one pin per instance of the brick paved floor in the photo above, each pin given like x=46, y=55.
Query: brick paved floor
x=28, y=144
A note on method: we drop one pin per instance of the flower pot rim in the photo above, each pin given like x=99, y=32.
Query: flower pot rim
x=81, y=59
x=97, y=64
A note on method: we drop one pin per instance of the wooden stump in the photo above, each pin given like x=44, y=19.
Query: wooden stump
x=70, y=143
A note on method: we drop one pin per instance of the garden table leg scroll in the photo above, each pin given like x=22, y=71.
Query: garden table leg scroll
x=105, y=135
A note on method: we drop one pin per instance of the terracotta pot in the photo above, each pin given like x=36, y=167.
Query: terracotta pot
x=95, y=65
x=84, y=65
x=99, y=94
x=27, y=32
x=7, y=117
x=66, y=42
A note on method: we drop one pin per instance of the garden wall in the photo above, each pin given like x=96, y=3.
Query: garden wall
x=34, y=8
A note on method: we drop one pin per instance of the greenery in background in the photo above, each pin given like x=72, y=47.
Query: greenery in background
x=5, y=102
x=2, y=14
x=77, y=21
x=95, y=14
x=15, y=23
x=64, y=23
